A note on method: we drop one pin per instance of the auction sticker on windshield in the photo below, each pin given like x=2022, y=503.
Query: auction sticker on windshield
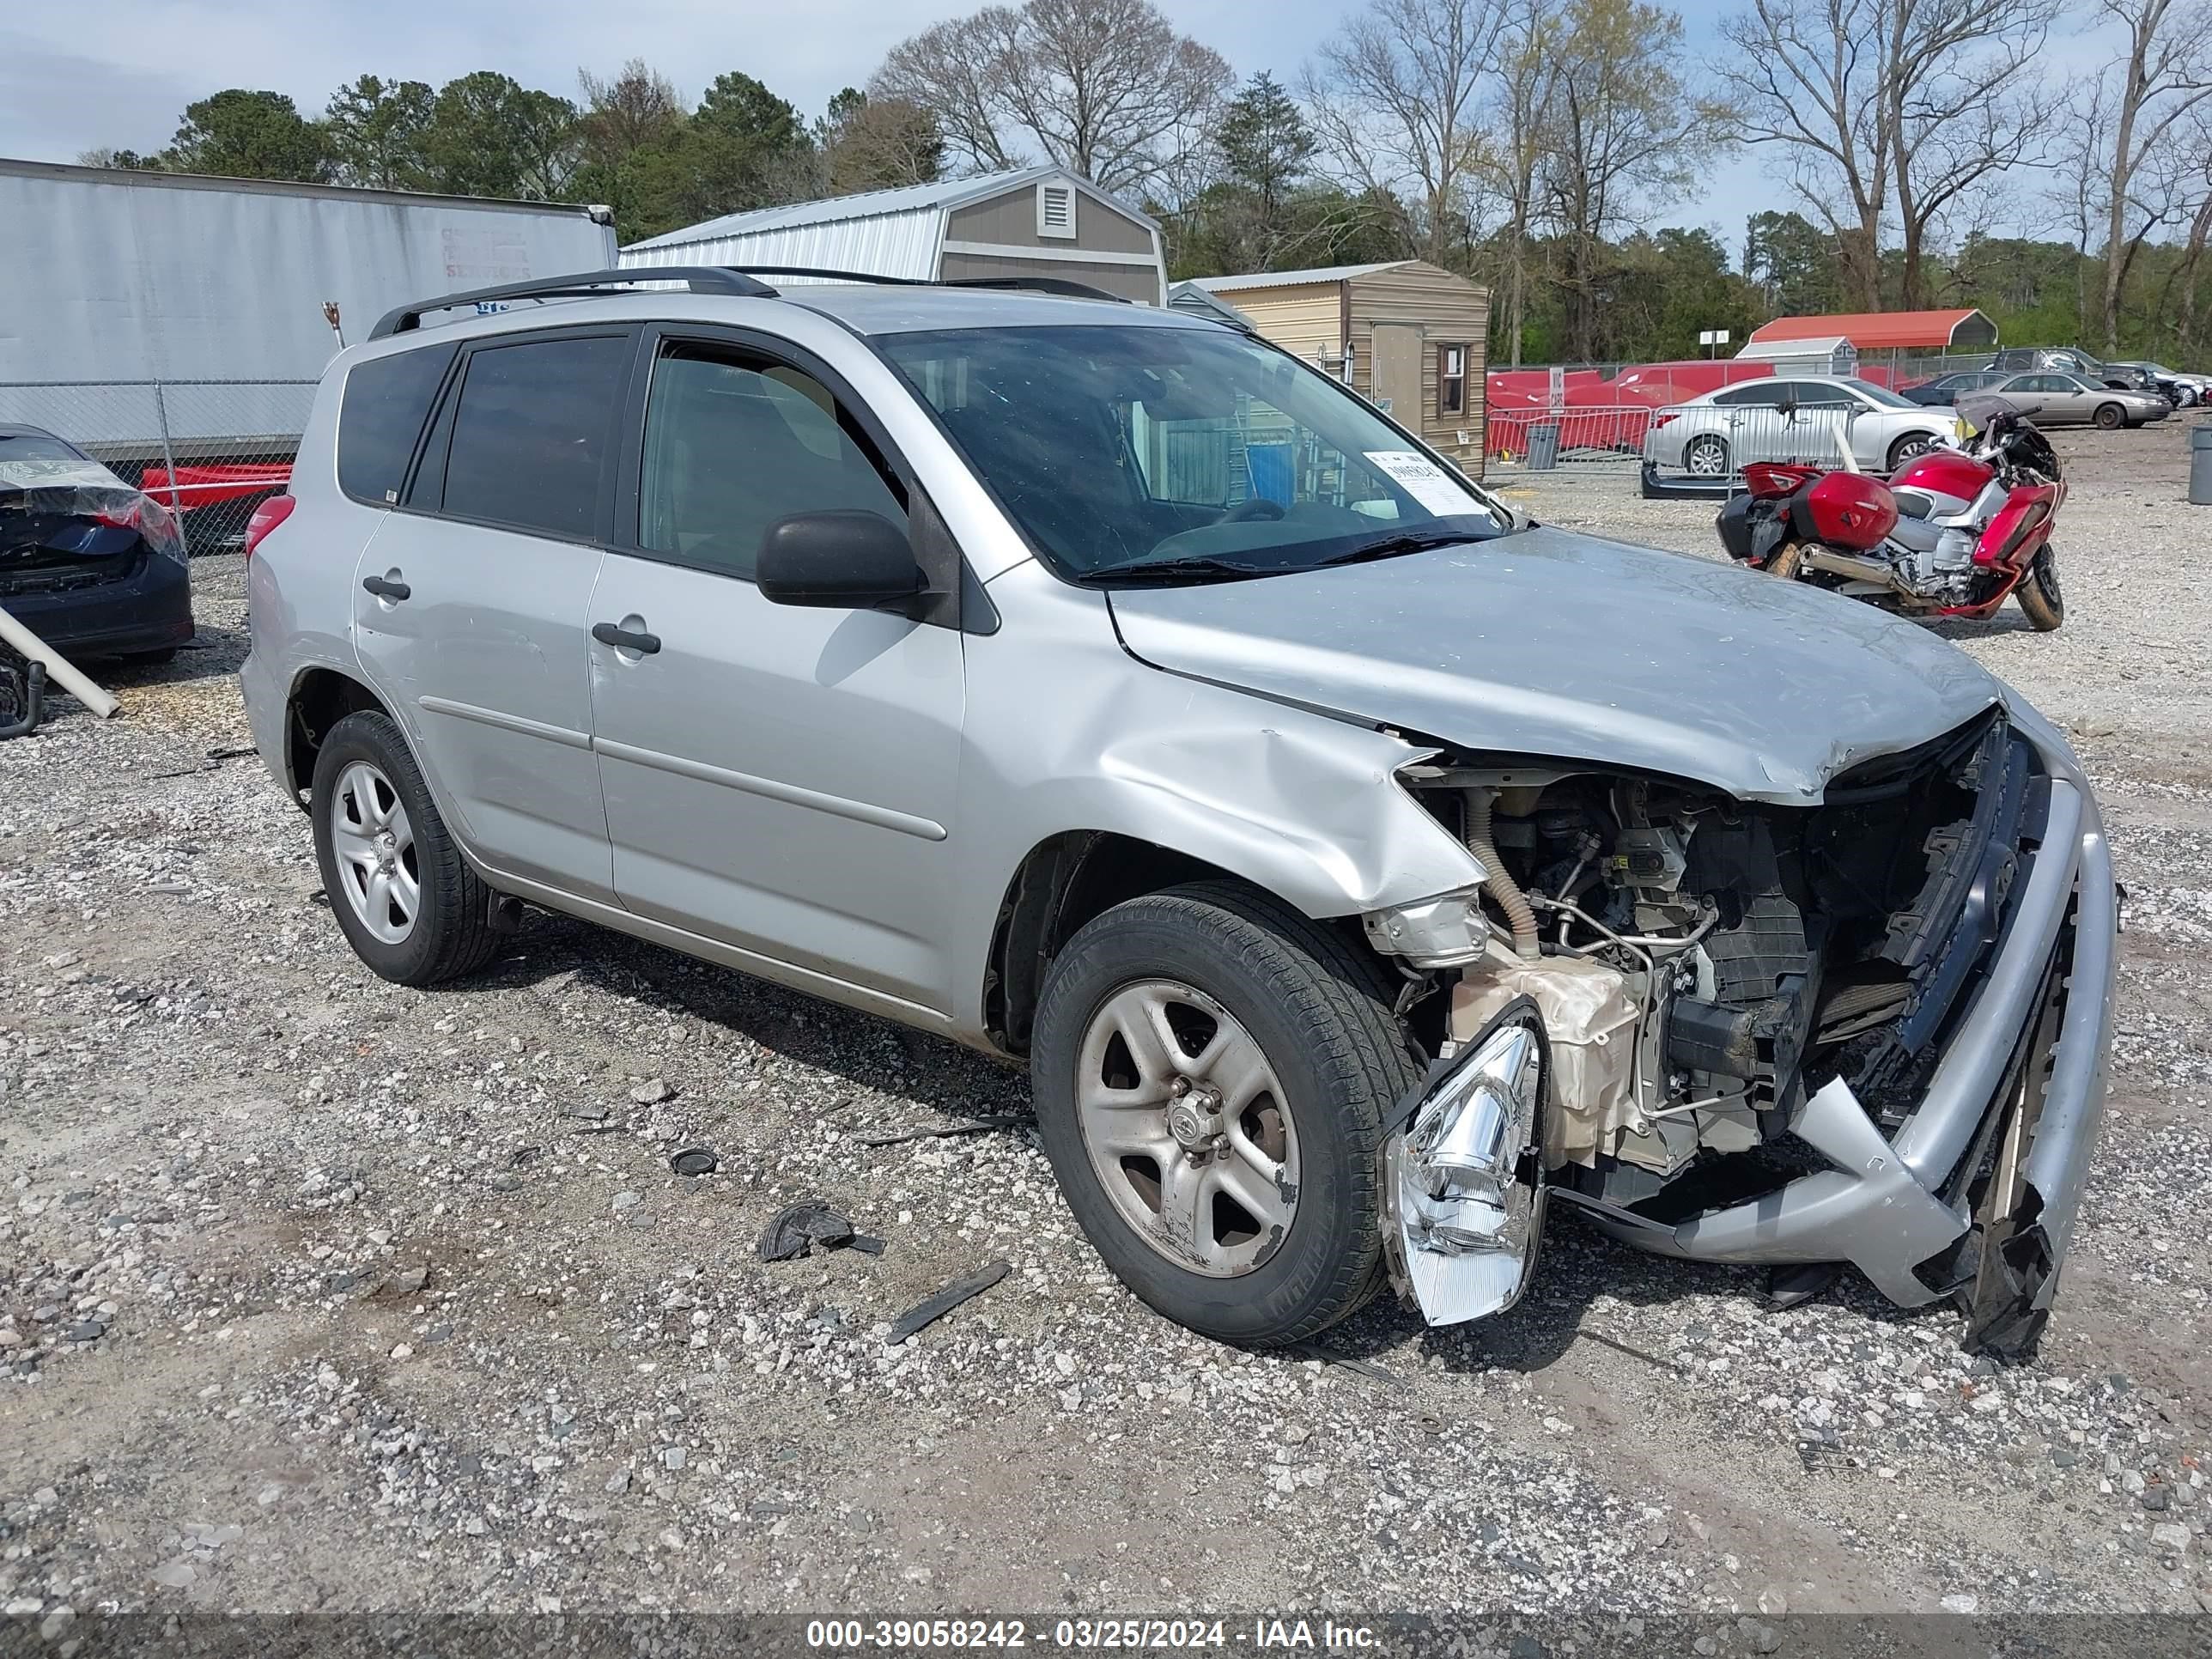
x=1423, y=479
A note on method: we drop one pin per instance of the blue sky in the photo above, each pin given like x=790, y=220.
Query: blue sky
x=65, y=87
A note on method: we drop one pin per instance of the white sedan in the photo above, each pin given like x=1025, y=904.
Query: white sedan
x=1794, y=417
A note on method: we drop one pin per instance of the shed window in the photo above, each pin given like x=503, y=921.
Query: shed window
x=1056, y=211
x=1451, y=379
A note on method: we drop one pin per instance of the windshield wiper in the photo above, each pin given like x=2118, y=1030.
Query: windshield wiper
x=1137, y=571
x=1199, y=567
x=1390, y=547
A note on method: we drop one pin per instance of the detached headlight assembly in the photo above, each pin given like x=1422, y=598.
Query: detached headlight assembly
x=1461, y=1175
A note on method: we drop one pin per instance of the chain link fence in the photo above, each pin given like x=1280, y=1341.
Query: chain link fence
x=1539, y=438
x=213, y=450
x=1706, y=446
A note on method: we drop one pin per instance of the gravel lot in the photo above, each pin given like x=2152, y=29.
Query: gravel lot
x=316, y=1293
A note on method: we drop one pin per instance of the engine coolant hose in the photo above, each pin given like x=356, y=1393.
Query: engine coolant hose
x=1520, y=915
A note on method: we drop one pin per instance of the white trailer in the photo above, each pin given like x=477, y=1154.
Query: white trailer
x=124, y=276
x=168, y=320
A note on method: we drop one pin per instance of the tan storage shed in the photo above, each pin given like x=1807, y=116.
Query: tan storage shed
x=1034, y=221
x=1411, y=333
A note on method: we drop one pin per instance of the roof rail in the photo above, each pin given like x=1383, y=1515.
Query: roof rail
x=710, y=279
x=700, y=279
x=1038, y=284
x=1073, y=290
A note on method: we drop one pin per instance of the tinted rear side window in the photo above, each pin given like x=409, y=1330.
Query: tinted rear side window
x=532, y=432
x=386, y=403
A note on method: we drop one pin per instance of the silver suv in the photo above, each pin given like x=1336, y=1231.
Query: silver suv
x=1360, y=869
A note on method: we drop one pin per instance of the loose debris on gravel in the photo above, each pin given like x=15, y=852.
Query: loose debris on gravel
x=318, y=1293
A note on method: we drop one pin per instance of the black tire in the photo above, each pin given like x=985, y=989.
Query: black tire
x=451, y=933
x=1708, y=445
x=148, y=658
x=1911, y=444
x=2109, y=416
x=1320, y=1011
x=2039, y=591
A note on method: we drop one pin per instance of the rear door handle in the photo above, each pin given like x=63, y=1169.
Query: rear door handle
x=386, y=588
x=624, y=639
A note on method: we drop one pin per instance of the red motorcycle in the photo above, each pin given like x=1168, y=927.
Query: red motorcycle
x=1954, y=533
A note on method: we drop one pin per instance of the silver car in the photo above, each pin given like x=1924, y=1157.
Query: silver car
x=2055, y=399
x=1360, y=871
x=1794, y=417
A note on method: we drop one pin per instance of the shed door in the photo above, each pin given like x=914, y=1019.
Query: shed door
x=1396, y=377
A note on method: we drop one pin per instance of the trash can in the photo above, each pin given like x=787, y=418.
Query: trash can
x=2200, y=463
x=1544, y=446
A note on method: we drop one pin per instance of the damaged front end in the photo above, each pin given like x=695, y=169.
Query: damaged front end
x=1870, y=1032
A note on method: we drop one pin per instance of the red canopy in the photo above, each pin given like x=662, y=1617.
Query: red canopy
x=1885, y=331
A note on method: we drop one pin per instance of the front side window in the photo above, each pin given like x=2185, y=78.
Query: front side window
x=1141, y=453
x=735, y=441
x=380, y=417
x=532, y=432
x=1451, y=379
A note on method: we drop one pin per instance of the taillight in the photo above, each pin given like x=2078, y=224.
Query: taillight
x=1662, y=418
x=266, y=517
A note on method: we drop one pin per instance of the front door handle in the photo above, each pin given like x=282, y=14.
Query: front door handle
x=387, y=588
x=626, y=639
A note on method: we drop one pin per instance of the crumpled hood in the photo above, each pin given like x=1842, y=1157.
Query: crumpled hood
x=1547, y=643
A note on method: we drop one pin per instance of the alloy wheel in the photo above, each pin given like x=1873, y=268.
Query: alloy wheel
x=1186, y=1127
x=375, y=847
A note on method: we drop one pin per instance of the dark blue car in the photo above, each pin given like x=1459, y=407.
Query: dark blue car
x=93, y=567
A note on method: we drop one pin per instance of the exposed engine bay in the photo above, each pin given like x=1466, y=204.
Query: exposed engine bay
x=1702, y=966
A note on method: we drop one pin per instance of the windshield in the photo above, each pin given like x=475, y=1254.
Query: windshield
x=1143, y=453
x=1881, y=394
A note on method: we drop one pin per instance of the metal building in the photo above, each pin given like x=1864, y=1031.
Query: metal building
x=1035, y=221
x=1408, y=334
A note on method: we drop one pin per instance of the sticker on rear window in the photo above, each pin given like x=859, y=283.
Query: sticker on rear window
x=1424, y=480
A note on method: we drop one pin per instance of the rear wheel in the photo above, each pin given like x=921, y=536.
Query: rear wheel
x=1706, y=458
x=1211, y=1072
x=2038, y=593
x=409, y=905
x=2109, y=415
x=1787, y=561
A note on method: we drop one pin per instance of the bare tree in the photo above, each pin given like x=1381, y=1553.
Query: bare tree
x=1958, y=108
x=878, y=144
x=1622, y=134
x=1519, y=117
x=953, y=70
x=1397, y=99
x=2199, y=144
x=638, y=105
x=1106, y=89
x=2084, y=121
x=2165, y=75
x=1806, y=75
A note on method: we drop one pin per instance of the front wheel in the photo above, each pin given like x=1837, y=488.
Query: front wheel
x=2109, y=415
x=1211, y=1072
x=1911, y=445
x=409, y=905
x=2039, y=591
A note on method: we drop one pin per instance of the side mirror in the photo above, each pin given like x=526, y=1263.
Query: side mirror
x=844, y=560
